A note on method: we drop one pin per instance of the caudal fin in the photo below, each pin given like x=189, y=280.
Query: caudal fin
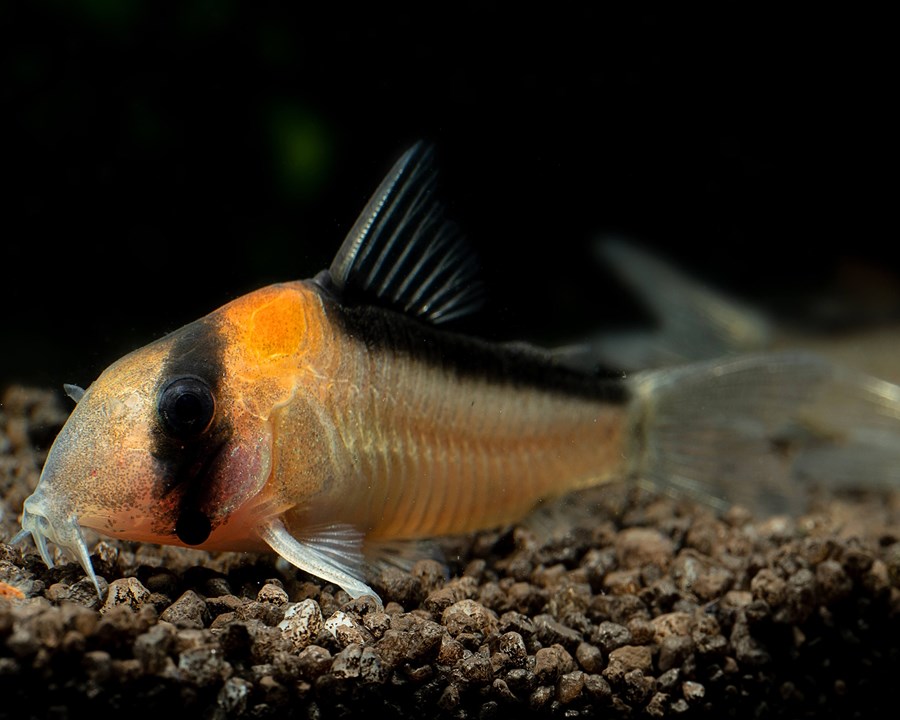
x=763, y=430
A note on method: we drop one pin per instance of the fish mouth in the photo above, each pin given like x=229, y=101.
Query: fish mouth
x=44, y=521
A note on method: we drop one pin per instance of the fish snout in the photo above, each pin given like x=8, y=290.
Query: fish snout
x=51, y=518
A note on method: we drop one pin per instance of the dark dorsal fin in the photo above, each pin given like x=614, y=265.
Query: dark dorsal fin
x=401, y=253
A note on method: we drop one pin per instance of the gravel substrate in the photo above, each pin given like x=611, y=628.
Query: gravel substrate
x=654, y=608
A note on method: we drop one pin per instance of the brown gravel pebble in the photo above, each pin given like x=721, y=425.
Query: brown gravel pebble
x=188, y=611
x=638, y=547
x=629, y=657
x=589, y=657
x=468, y=616
x=661, y=609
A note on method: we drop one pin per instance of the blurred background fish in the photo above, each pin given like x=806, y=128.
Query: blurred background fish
x=690, y=320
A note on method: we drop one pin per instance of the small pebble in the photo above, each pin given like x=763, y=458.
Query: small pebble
x=302, y=623
x=188, y=611
x=128, y=592
x=467, y=616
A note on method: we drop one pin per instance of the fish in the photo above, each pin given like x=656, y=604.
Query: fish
x=343, y=420
x=693, y=321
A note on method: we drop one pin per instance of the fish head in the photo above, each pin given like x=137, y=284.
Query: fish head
x=173, y=442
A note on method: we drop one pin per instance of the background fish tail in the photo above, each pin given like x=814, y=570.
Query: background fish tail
x=764, y=430
x=692, y=321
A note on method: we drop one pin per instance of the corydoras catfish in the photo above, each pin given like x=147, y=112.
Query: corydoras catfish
x=692, y=321
x=335, y=419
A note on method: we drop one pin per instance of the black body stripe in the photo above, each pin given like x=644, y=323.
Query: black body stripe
x=388, y=331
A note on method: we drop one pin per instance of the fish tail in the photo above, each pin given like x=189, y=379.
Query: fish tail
x=691, y=320
x=764, y=430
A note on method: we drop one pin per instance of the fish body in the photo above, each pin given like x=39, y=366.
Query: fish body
x=331, y=418
x=321, y=411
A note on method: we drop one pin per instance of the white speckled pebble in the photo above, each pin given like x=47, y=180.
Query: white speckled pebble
x=337, y=621
x=125, y=591
x=302, y=623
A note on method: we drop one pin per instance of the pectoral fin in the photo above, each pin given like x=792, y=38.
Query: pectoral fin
x=74, y=391
x=331, y=552
x=402, y=554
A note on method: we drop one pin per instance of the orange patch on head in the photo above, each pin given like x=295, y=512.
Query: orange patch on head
x=273, y=330
x=277, y=327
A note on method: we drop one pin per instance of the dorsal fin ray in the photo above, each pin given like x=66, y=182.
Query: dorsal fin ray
x=403, y=254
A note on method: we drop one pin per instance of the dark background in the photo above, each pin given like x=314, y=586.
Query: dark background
x=159, y=159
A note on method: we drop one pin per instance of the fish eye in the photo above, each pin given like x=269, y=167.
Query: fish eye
x=186, y=407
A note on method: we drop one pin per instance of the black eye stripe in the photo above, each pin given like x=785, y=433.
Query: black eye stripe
x=184, y=463
x=193, y=527
x=186, y=407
